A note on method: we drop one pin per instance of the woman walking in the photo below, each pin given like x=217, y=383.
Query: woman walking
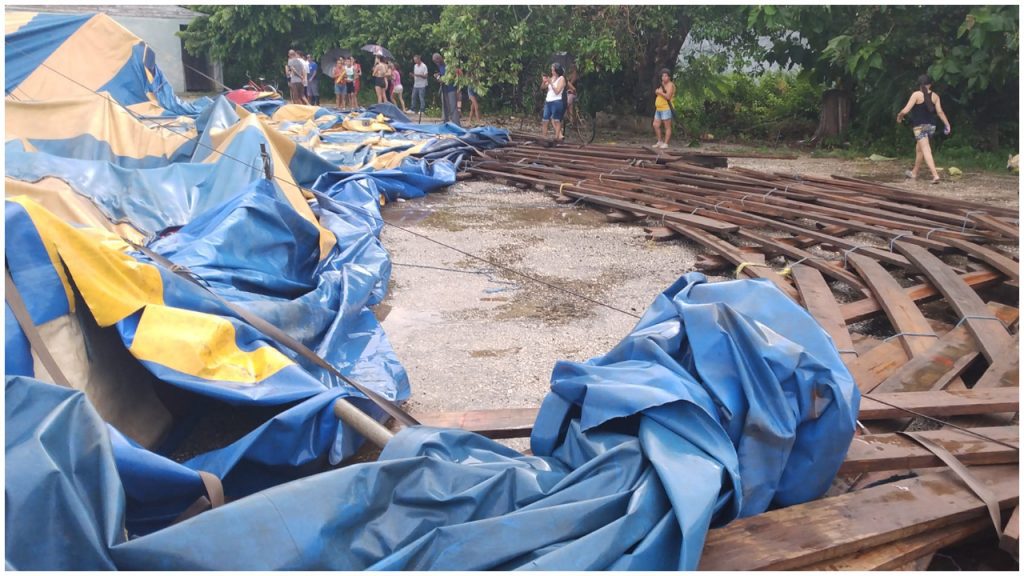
x=554, y=102
x=396, y=93
x=380, y=79
x=923, y=107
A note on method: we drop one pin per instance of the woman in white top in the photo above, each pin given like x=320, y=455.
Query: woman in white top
x=554, y=102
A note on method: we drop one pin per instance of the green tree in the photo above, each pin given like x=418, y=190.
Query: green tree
x=253, y=39
x=876, y=53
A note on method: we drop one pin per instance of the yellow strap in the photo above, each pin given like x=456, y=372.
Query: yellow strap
x=739, y=269
x=562, y=187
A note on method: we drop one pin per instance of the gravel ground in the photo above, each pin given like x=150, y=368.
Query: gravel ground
x=474, y=336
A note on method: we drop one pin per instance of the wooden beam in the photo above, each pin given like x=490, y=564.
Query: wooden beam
x=1005, y=371
x=993, y=258
x=893, y=555
x=991, y=334
x=499, y=423
x=819, y=301
x=868, y=307
x=872, y=367
x=941, y=403
x=733, y=254
x=878, y=452
x=944, y=361
x=1010, y=540
x=831, y=528
x=917, y=334
x=518, y=422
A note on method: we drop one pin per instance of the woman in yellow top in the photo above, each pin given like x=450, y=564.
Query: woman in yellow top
x=665, y=92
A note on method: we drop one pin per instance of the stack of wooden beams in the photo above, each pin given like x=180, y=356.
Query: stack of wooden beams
x=848, y=250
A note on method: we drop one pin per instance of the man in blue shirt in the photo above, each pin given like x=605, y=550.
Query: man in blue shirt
x=313, y=84
x=449, y=93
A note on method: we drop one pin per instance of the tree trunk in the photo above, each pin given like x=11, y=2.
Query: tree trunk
x=659, y=52
x=835, y=115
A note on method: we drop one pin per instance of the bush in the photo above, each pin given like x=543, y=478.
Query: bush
x=772, y=106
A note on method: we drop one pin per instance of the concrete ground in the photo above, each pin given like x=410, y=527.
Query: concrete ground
x=472, y=336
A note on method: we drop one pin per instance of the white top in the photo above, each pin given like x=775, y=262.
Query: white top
x=552, y=95
x=418, y=82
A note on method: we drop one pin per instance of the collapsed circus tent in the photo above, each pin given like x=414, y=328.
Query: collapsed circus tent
x=724, y=400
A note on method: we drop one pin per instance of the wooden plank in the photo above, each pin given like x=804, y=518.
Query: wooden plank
x=868, y=307
x=819, y=301
x=993, y=258
x=774, y=246
x=996, y=224
x=940, y=403
x=945, y=360
x=732, y=254
x=878, y=452
x=877, y=364
x=1010, y=541
x=673, y=217
x=991, y=334
x=499, y=423
x=830, y=528
x=518, y=422
x=1005, y=371
x=893, y=555
x=900, y=309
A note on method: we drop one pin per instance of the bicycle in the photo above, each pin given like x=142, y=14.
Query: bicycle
x=580, y=123
x=261, y=86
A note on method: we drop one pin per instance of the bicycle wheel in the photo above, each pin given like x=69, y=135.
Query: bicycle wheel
x=580, y=127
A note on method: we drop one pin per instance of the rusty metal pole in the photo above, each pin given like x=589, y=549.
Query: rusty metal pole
x=370, y=429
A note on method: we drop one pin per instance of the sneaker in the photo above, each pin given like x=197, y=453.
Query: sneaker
x=663, y=145
x=657, y=144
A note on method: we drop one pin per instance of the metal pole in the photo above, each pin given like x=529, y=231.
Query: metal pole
x=370, y=429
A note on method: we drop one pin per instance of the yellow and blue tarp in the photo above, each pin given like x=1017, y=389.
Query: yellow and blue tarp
x=103, y=150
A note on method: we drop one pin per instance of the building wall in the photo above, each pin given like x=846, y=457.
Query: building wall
x=161, y=36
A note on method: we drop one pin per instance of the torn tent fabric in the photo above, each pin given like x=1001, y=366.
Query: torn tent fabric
x=724, y=400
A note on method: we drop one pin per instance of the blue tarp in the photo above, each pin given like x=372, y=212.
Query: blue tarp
x=724, y=400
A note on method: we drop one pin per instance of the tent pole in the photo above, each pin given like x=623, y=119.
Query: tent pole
x=370, y=429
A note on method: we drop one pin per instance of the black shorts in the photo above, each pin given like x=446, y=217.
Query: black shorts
x=350, y=87
x=380, y=81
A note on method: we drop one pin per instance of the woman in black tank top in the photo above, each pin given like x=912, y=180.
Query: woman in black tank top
x=923, y=107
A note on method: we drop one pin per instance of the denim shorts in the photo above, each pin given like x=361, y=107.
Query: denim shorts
x=662, y=114
x=339, y=89
x=554, y=110
x=924, y=131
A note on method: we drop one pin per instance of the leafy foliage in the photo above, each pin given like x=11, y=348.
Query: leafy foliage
x=873, y=52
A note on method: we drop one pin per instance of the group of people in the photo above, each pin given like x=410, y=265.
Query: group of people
x=301, y=71
x=387, y=84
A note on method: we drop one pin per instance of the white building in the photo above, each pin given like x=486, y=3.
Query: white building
x=157, y=26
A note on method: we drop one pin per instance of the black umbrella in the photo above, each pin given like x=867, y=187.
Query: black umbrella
x=378, y=50
x=329, y=59
x=565, y=59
